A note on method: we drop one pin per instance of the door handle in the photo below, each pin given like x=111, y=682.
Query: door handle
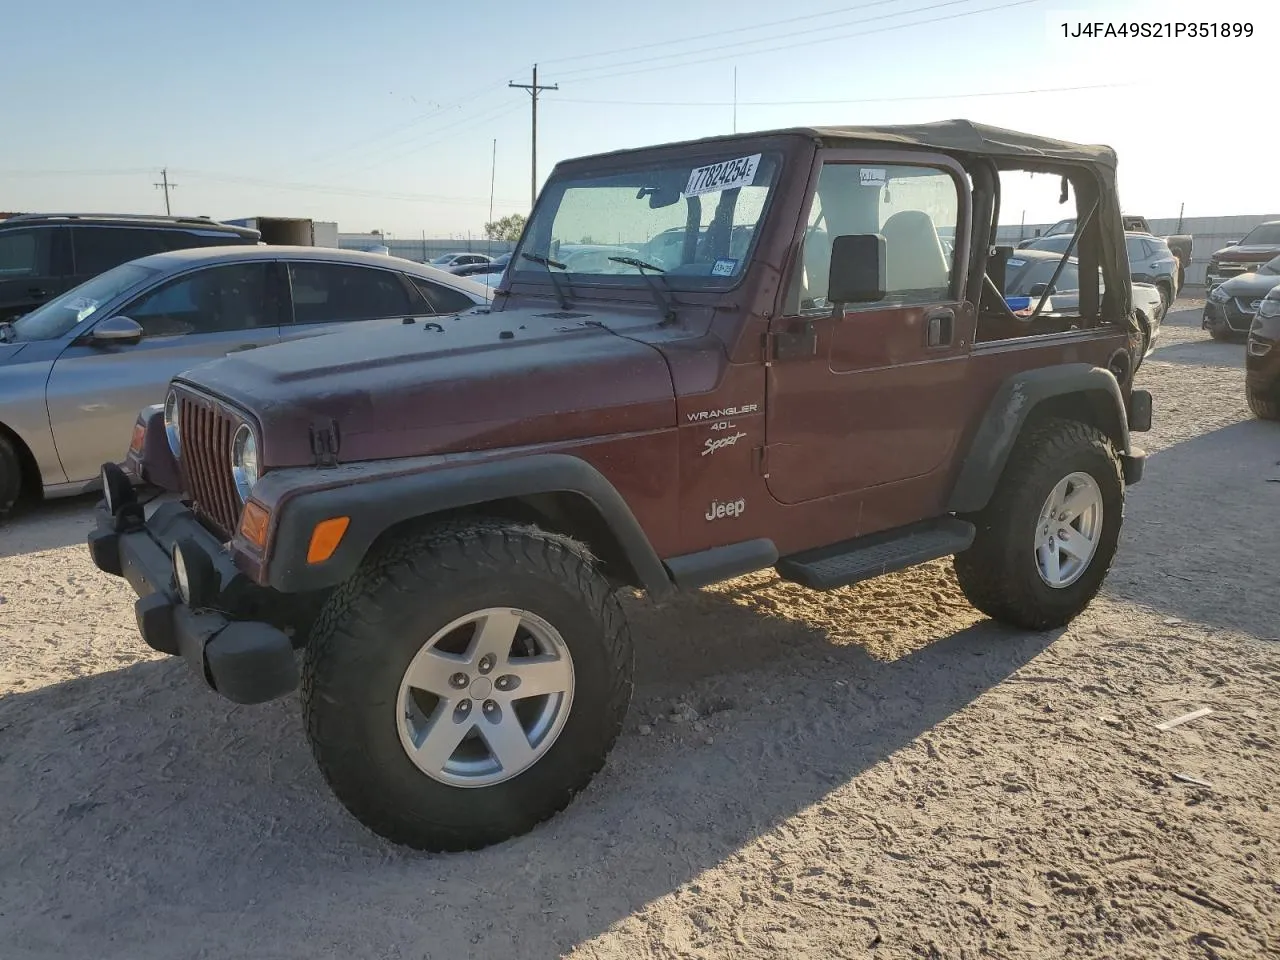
x=942, y=325
x=37, y=292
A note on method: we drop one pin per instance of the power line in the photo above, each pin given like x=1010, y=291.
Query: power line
x=812, y=43
x=534, y=89
x=798, y=103
x=720, y=33
x=333, y=190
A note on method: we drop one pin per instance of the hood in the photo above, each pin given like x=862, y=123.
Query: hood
x=475, y=381
x=1250, y=285
x=1261, y=252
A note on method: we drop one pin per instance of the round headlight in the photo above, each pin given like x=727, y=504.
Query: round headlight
x=244, y=460
x=171, y=423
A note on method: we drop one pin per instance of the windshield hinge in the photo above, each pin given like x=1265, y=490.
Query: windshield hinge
x=762, y=460
x=325, y=442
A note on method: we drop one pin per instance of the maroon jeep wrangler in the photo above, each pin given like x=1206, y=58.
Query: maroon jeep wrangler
x=796, y=355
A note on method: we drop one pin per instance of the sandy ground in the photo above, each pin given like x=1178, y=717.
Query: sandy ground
x=875, y=772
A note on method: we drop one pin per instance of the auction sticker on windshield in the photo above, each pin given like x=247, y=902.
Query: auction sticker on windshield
x=723, y=176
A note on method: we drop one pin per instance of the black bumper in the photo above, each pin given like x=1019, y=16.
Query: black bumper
x=1225, y=317
x=246, y=661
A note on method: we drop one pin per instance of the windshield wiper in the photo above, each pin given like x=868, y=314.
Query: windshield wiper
x=664, y=300
x=555, y=282
x=7, y=332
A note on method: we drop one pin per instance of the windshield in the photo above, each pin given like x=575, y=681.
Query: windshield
x=63, y=313
x=1271, y=268
x=694, y=220
x=1268, y=234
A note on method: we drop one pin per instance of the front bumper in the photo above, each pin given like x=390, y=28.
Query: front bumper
x=1225, y=316
x=244, y=660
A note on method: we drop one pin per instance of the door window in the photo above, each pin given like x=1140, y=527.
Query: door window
x=916, y=209
x=24, y=253
x=98, y=249
x=442, y=299
x=333, y=293
x=231, y=297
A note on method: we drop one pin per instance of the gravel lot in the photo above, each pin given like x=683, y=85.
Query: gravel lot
x=875, y=772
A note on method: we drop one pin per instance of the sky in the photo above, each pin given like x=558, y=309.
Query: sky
x=384, y=116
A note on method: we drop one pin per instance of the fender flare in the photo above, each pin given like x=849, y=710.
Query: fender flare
x=378, y=496
x=1007, y=413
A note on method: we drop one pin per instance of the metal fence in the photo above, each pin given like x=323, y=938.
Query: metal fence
x=422, y=249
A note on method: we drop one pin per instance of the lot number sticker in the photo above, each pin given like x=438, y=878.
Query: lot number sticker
x=723, y=176
x=871, y=176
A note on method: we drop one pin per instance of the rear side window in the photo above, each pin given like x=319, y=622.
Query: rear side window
x=442, y=299
x=24, y=253
x=98, y=249
x=333, y=293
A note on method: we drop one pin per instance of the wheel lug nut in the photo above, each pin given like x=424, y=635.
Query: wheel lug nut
x=486, y=663
x=502, y=683
x=458, y=680
x=490, y=706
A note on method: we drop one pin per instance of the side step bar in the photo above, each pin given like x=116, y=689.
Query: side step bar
x=863, y=558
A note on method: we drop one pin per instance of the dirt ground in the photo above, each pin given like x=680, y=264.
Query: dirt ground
x=875, y=772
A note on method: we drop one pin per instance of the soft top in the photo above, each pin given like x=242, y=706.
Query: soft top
x=950, y=136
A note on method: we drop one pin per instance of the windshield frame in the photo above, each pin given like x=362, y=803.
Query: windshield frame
x=145, y=276
x=520, y=270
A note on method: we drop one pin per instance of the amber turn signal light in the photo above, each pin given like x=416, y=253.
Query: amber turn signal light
x=139, y=436
x=325, y=538
x=253, y=524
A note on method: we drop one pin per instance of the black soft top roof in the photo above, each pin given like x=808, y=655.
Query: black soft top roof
x=949, y=136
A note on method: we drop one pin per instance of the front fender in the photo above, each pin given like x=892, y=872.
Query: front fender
x=1013, y=402
x=379, y=495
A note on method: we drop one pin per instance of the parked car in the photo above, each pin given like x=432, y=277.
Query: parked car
x=1260, y=245
x=1179, y=244
x=1027, y=276
x=42, y=255
x=457, y=260
x=74, y=372
x=1230, y=307
x=1150, y=261
x=444, y=523
x=1262, y=359
x=496, y=265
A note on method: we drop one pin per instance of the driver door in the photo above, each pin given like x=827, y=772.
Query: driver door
x=871, y=406
x=95, y=391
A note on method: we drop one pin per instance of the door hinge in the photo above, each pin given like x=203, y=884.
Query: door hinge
x=798, y=341
x=325, y=443
x=762, y=460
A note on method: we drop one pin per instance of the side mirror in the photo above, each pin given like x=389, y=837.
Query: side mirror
x=1232, y=243
x=1039, y=289
x=857, y=269
x=116, y=330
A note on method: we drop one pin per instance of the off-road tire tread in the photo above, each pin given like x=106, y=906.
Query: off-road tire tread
x=1265, y=406
x=403, y=564
x=984, y=570
x=10, y=476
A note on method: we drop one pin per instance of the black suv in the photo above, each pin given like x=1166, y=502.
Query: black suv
x=1262, y=358
x=45, y=254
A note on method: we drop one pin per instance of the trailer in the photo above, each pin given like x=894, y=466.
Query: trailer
x=292, y=231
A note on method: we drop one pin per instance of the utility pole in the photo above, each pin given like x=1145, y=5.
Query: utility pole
x=164, y=175
x=534, y=90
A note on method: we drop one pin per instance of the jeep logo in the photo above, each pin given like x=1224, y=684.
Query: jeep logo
x=733, y=508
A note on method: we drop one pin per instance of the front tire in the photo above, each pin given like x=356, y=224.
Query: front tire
x=466, y=683
x=1265, y=406
x=10, y=476
x=1048, y=536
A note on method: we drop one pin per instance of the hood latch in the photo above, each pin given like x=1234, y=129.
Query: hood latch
x=325, y=442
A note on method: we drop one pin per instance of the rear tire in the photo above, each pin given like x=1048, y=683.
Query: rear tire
x=10, y=476
x=1265, y=406
x=1004, y=573
x=423, y=769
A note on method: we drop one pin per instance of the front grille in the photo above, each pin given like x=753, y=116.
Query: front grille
x=206, y=432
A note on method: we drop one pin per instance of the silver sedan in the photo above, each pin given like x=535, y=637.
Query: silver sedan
x=75, y=372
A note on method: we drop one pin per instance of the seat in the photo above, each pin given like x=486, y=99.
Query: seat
x=914, y=256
